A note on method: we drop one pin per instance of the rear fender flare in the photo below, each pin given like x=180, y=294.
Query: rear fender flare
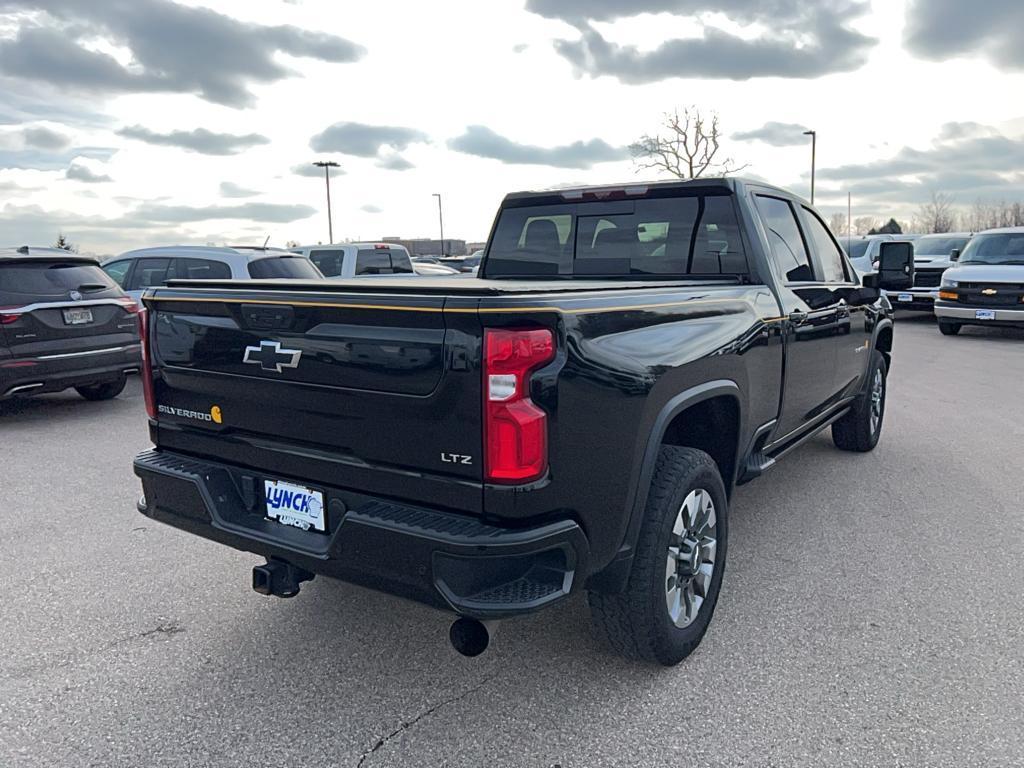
x=614, y=576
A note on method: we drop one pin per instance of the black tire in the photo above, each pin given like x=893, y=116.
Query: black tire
x=105, y=391
x=856, y=431
x=637, y=622
x=947, y=328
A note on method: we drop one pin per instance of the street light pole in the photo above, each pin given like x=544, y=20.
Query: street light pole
x=327, y=165
x=440, y=219
x=814, y=151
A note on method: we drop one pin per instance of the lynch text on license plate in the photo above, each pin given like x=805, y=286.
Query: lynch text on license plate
x=905, y=297
x=985, y=314
x=77, y=316
x=294, y=505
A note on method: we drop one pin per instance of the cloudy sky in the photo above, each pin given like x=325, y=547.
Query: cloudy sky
x=132, y=122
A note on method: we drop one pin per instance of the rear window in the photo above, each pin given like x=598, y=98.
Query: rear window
x=665, y=237
x=22, y=283
x=382, y=261
x=283, y=266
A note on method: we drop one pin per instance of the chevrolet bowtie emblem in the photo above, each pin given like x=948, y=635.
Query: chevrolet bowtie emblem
x=270, y=357
x=990, y=291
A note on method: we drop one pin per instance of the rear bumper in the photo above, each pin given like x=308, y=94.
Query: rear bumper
x=920, y=299
x=57, y=372
x=968, y=315
x=452, y=562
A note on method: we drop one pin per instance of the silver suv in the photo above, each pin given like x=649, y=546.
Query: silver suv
x=135, y=271
x=987, y=285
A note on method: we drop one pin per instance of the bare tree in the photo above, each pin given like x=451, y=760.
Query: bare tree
x=688, y=149
x=839, y=224
x=864, y=224
x=937, y=215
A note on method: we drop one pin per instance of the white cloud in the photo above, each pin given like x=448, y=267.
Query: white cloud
x=510, y=82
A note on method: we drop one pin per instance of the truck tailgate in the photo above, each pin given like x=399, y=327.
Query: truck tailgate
x=371, y=392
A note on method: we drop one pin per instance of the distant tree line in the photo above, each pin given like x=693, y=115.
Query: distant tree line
x=939, y=214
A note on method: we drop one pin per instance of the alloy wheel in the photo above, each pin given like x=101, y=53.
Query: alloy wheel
x=690, y=562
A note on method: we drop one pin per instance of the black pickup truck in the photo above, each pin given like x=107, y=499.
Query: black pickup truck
x=575, y=417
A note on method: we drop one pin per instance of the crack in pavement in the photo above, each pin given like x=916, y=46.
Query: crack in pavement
x=405, y=725
x=77, y=657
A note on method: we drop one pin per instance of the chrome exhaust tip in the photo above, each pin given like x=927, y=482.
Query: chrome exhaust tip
x=470, y=637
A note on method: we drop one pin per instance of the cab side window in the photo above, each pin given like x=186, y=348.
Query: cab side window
x=328, y=261
x=827, y=256
x=787, y=245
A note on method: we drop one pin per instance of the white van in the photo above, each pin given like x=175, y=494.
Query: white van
x=344, y=260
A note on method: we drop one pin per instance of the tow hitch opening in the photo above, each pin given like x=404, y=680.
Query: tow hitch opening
x=279, y=578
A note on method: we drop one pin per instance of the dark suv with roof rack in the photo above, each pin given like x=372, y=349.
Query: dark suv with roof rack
x=63, y=323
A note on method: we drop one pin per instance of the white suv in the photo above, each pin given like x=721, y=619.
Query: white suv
x=135, y=271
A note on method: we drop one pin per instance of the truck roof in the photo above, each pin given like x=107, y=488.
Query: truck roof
x=644, y=188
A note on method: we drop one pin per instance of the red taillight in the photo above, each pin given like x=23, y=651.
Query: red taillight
x=515, y=430
x=147, y=364
x=8, y=316
x=129, y=305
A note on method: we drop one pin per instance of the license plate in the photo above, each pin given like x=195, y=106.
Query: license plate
x=905, y=297
x=77, y=316
x=984, y=314
x=294, y=505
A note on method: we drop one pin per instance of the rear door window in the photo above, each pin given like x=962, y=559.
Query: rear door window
x=40, y=281
x=201, y=269
x=787, y=244
x=661, y=237
x=118, y=270
x=149, y=273
x=284, y=266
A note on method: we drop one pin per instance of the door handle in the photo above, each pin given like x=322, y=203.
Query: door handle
x=798, y=316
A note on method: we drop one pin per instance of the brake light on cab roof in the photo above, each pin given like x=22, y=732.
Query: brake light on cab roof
x=604, y=193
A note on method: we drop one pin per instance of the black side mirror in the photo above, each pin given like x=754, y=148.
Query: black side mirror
x=896, y=266
x=954, y=255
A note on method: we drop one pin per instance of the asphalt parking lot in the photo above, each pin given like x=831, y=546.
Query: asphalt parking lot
x=872, y=615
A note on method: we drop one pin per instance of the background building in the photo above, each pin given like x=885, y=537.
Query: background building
x=424, y=246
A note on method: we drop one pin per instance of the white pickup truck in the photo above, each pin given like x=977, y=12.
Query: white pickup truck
x=344, y=260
